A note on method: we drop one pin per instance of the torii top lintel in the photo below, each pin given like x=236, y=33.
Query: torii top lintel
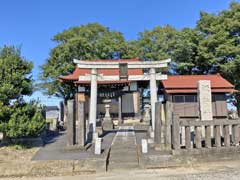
x=114, y=65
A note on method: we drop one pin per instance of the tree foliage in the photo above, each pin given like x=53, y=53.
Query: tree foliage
x=15, y=79
x=213, y=46
x=219, y=46
x=17, y=118
x=91, y=41
x=156, y=44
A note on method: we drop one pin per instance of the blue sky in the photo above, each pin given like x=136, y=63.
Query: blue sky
x=31, y=24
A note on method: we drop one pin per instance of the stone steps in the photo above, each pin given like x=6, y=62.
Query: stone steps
x=122, y=166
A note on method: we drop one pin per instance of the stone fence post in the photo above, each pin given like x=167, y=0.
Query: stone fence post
x=81, y=125
x=175, y=132
x=158, y=123
x=70, y=122
x=169, y=117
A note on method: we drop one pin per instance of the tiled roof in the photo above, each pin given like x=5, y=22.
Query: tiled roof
x=106, y=72
x=51, y=108
x=188, y=83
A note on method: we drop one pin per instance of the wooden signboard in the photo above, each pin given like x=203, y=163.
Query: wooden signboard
x=123, y=71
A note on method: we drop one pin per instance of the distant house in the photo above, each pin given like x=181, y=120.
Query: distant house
x=52, y=112
x=182, y=91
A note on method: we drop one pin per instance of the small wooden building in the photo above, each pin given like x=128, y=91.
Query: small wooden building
x=182, y=91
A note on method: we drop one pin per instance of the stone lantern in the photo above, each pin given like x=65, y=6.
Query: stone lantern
x=107, y=123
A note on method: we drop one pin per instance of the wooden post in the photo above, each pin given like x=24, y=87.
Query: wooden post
x=226, y=135
x=198, y=139
x=158, y=119
x=176, y=135
x=235, y=133
x=208, y=138
x=187, y=137
x=71, y=123
x=217, y=136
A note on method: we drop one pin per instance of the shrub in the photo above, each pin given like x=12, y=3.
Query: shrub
x=25, y=120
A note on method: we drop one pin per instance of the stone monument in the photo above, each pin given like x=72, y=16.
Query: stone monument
x=205, y=105
x=205, y=100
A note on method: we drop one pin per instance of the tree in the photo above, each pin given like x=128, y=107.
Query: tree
x=220, y=43
x=213, y=46
x=185, y=53
x=15, y=79
x=156, y=44
x=17, y=118
x=91, y=41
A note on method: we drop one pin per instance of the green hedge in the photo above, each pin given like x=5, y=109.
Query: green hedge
x=21, y=120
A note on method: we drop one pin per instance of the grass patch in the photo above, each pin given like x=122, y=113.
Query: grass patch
x=20, y=146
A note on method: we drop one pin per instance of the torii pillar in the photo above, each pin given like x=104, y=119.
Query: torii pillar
x=153, y=94
x=93, y=101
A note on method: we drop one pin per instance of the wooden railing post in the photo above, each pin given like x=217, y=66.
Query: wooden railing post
x=198, y=139
x=235, y=133
x=187, y=137
x=226, y=135
x=208, y=138
x=198, y=125
x=217, y=136
x=176, y=135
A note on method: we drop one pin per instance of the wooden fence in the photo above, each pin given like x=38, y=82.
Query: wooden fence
x=193, y=130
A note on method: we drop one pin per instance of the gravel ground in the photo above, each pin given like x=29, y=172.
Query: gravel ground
x=213, y=171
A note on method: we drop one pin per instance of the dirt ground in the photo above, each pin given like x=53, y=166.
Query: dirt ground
x=213, y=171
x=16, y=153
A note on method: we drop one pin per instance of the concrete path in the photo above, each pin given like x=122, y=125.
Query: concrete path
x=123, y=154
x=54, y=149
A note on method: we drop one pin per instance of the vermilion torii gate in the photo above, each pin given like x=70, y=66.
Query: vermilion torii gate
x=152, y=76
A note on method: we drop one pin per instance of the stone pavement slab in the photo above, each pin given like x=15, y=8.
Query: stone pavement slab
x=123, y=154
